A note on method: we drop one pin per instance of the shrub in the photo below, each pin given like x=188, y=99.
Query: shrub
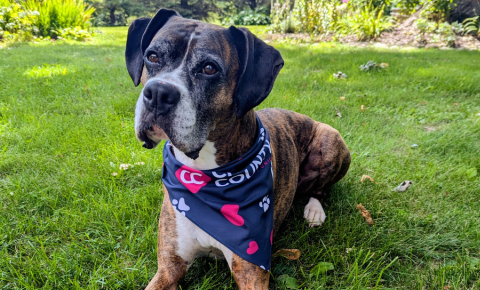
x=408, y=5
x=16, y=23
x=316, y=17
x=247, y=17
x=436, y=10
x=55, y=15
x=472, y=25
x=443, y=32
x=366, y=23
x=74, y=33
x=282, y=18
x=65, y=19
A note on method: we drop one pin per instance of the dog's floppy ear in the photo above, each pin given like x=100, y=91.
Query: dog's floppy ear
x=140, y=34
x=259, y=65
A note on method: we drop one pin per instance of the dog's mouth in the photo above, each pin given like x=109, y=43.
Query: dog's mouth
x=151, y=136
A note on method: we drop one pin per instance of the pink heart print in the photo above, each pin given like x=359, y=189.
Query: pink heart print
x=252, y=248
x=191, y=178
x=271, y=238
x=230, y=211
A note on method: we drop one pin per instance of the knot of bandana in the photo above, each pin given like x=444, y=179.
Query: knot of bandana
x=232, y=203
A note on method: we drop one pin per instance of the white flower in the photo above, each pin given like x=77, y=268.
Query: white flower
x=125, y=166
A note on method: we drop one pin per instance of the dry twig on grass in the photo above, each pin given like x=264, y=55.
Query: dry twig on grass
x=365, y=213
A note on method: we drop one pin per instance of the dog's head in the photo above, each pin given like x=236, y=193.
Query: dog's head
x=192, y=73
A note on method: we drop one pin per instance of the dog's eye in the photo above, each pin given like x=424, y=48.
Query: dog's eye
x=209, y=69
x=153, y=57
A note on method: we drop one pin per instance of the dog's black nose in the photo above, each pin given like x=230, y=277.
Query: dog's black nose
x=160, y=97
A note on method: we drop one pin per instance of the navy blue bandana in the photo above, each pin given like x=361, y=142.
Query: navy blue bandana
x=232, y=203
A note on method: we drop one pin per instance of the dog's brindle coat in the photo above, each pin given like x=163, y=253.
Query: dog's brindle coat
x=201, y=83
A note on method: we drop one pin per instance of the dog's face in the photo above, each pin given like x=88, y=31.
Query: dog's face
x=193, y=72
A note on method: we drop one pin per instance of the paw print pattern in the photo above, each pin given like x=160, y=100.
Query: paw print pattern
x=181, y=206
x=265, y=203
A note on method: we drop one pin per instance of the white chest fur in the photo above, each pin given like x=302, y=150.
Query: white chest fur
x=192, y=241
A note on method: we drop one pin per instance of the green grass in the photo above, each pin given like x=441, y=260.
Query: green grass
x=66, y=124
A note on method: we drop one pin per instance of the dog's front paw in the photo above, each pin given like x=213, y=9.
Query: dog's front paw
x=314, y=213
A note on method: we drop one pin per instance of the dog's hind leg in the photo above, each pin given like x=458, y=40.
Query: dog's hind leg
x=326, y=161
x=249, y=276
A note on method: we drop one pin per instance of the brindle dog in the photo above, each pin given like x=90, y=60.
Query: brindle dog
x=201, y=83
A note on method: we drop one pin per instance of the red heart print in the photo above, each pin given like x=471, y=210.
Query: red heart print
x=271, y=237
x=253, y=247
x=230, y=211
x=191, y=178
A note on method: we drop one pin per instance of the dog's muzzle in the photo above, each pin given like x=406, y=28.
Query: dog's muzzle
x=160, y=97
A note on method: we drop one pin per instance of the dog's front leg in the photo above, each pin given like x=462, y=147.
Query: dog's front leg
x=171, y=267
x=249, y=276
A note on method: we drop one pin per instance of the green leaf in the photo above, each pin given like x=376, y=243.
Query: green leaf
x=474, y=264
x=472, y=174
x=290, y=282
x=322, y=268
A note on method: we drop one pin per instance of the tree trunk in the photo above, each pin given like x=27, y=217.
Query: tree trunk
x=253, y=4
x=464, y=9
x=112, y=16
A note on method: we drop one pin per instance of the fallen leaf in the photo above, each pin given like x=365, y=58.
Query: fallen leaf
x=365, y=213
x=342, y=98
x=364, y=124
x=447, y=193
x=403, y=186
x=362, y=107
x=366, y=177
x=338, y=113
x=456, y=104
x=430, y=129
x=384, y=65
x=121, y=84
x=291, y=254
x=108, y=59
x=446, y=288
x=86, y=89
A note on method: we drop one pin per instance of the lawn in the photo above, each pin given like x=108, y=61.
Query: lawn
x=71, y=219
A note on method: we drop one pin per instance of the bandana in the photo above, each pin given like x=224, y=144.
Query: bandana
x=232, y=203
